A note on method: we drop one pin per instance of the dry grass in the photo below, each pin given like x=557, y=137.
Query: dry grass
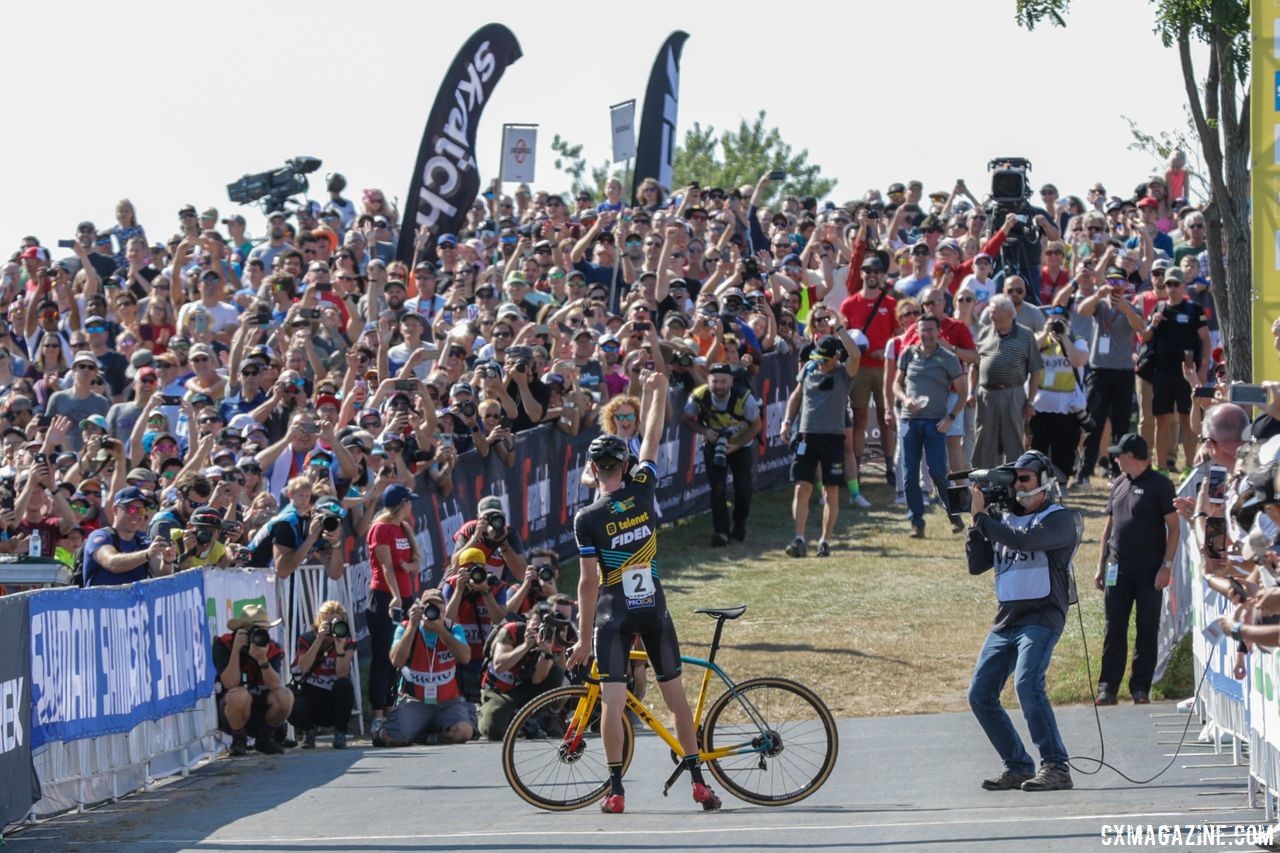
x=886, y=625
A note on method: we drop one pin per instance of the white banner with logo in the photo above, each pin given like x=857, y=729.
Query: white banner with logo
x=622, y=126
x=519, y=149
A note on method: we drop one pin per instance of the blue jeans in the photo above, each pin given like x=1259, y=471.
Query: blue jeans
x=921, y=436
x=1023, y=651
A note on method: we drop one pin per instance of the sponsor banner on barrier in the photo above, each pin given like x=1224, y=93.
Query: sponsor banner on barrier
x=226, y=592
x=19, y=787
x=107, y=658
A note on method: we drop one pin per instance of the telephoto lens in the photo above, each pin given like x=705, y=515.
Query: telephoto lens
x=546, y=574
x=478, y=574
x=340, y=628
x=259, y=637
x=431, y=612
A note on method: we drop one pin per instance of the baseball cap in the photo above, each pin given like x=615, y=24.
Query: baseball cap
x=1147, y=201
x=828, y=346
x=395, y=495
x=85, y=357
x=491, y=503
x=1130, y=442
x=94, y=420
x=129, y=494
x=237, y=219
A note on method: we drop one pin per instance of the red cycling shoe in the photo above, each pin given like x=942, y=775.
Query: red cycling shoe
x=707, y=797
x=613, y=804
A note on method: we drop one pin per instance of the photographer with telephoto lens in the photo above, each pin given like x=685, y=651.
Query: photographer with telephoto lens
x=252, y=700
x=1030, y=547
x=322, y=688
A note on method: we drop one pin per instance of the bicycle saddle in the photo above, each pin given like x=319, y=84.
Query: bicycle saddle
x=723, y=612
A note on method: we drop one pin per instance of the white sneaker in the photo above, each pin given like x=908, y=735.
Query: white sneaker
x=900, y=499
x=859, y=500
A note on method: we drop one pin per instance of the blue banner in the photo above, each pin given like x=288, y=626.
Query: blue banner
x=104, y=659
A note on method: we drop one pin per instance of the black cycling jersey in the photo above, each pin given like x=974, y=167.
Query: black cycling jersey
x=620, y=531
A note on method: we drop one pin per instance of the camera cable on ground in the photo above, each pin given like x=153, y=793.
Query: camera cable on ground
x=1102, y=743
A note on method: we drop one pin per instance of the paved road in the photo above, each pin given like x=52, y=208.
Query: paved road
x=902, y=783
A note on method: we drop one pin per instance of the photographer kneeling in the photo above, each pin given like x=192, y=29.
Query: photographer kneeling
x=251, y=698
x=524, y=660
x=1031, y=549
x=323, y=692
x=427, y=651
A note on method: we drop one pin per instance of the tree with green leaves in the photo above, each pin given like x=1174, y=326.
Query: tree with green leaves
x=725, y=160
x=1219, y=108
x=742, y=156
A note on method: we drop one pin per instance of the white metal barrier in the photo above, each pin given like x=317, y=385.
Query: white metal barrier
x=79, y=773
x=300, y=597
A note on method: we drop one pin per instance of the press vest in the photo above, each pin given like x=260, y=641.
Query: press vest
x=734, y=413
x=1057, y=375
x=430, y=674
x=505, y=682
x=1022, y=575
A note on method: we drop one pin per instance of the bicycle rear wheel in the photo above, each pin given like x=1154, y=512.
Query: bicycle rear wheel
x=791, y=761
x=561, y=772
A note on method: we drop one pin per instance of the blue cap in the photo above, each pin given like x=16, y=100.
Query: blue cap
x=447, y=238
x=131, y=494
x=396, y=495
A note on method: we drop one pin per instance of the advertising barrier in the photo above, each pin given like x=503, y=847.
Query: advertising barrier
x=19, y=787
x=106, y=658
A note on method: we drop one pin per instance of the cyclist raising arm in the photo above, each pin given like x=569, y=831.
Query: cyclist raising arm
x=617, y=537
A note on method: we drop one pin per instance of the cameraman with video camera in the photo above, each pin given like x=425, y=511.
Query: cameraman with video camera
x=524, y=659
x=322, y=688
x=1030, y=548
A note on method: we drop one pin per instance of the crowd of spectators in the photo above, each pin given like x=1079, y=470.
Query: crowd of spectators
x=207, y=399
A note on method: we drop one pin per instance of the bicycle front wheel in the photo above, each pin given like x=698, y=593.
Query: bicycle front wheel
x=565, y=769
x=783, y=764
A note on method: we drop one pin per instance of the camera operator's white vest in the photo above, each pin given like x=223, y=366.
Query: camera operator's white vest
x=1022, y=575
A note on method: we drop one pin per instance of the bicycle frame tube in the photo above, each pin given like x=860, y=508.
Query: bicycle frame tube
x=708, y=667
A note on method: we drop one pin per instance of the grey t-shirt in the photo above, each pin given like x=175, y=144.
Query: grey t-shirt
x=1081, y=327
x=65, y=403
x=929, y=376
x=121, y=418
x=824, y=399
x=1112, y=343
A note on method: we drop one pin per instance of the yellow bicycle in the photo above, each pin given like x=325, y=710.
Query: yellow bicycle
x=770, y=741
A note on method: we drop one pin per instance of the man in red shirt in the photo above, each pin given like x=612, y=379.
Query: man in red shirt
x=870, y=310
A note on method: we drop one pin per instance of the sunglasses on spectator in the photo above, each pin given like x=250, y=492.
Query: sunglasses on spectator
x=911, y=313
x=627, y=416
x=965, y=299
x=86, y=367
x=166, y=448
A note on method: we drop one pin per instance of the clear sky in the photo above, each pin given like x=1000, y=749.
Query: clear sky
x=166, y=105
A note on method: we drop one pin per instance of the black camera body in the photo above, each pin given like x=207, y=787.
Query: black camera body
x=555, y=627
x=272, y=189
x=996, y=485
